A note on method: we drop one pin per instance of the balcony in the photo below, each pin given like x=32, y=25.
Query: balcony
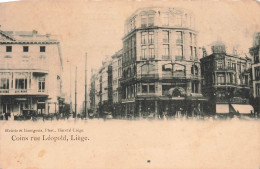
x=22, y=92
x=179, y=58
x=226, y=68
x=148, y=76
x=174, y=75
x=166, y=57
x=179, y=41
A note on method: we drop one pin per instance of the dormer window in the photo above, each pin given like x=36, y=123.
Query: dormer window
x=143, y=20
x=165, y=19
x=8, y=48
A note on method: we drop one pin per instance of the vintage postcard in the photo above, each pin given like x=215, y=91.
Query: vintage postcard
x=130, y=84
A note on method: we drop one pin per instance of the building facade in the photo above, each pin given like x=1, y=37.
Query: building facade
x=227, y=81
x=117, y=74
x=161, y=70
x=255, y=53
x=27, y=79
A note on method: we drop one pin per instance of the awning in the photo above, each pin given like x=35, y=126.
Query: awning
x=243, y=108
x=222, y=108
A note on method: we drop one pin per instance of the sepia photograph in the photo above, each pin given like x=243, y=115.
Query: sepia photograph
x=130, y=84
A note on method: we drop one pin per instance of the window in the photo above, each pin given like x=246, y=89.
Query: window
x=147, y=69
x=25, y=48
x=165, y=50
x=42, y=49
x=20, y=83
x=4, y=83
x=229, y=65
x=151, y=88
x=41, y=84
x=150, y=20
x=167, y=67
x=194, y=70
x=195, y=52
x=143, y=21
x=165, y=36
x=165, y=19
x=195, y=87
x=220, y=65
x=179, y=20
x=151, y=37
x=220, y=79
x=234, y=66
x=143, y=37
x=179, y=37
x=143, y=52
x=191, y=52
x=8, y=48
x=148, y=88
x=144, y=89
x=151, y=51
x=179, y=50
x=195, y=39
x=190, y=38
x=257, y=87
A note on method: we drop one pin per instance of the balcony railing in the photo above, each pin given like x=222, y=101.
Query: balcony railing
x=4, y=90
x=166, y=57
x=179, y=41
x=20, y=90
x=179, y=58
x=148, y=76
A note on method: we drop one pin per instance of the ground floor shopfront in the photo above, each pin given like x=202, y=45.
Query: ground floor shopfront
x=11, y=106
x=161, y=107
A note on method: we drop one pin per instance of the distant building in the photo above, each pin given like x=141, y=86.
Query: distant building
x=161, y=70
x=30, y=73
x=117, y=74
x=226, y=81
x=255, y=53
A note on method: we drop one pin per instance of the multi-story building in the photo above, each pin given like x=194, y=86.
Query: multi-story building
x=161, y=71
x=255, y=53
x=226, y=81
x=116, y=74
x=30, y=72
x=101, y=90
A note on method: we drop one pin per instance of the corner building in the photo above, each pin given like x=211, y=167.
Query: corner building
x=161, y=71
x=227, y=82
x=30, y=73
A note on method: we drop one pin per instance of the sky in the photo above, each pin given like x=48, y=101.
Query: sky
x=96, y=27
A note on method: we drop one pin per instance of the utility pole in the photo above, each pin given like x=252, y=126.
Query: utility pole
x=86, y=96
x=76, y=93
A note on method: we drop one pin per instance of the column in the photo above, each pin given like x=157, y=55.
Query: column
x=140, y=108
x=156, y=109
x=126, y=110
x=199, y=87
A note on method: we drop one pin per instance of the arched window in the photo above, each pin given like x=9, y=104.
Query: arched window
x=167, y=67
x=148, y=69
x=178, y=70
